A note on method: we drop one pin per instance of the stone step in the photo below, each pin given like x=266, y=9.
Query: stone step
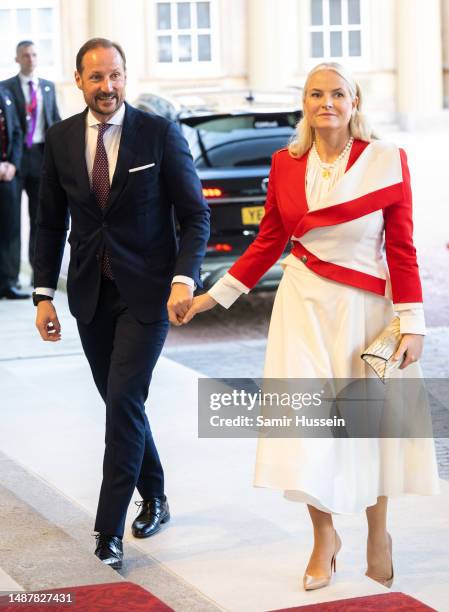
x=47, y=543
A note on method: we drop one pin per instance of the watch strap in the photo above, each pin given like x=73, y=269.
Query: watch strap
x=38, y=297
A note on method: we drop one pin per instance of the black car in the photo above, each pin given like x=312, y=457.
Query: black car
x=232, y=136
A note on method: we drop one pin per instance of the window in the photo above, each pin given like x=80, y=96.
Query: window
x=28, y=20
x=184, y=32
x=336, y=29
x=238, y=140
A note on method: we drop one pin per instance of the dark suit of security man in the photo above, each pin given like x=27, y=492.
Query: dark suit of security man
x=35, y=102
x=10, y=156
x=121, y=175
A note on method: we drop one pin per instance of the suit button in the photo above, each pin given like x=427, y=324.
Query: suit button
x=104, y=224
x=303, y=258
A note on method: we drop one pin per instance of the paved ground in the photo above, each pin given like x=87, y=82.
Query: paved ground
x=242, y=556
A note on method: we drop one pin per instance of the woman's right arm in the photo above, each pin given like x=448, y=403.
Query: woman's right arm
x=262, y=253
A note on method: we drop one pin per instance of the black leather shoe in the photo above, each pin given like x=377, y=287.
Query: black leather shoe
x=109, y=550
x=155, y=512
x=12, y=293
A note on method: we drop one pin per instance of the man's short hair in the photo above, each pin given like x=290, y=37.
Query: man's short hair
x=22, y=44
x=95, y=43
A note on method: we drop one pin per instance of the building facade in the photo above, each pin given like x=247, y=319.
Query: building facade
x=398, y=49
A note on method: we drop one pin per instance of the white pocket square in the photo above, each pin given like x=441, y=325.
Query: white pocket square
x=142, y=167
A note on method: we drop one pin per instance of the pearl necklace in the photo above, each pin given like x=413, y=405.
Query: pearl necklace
x=326, y=169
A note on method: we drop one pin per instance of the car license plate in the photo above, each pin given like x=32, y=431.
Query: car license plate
x=252, y=215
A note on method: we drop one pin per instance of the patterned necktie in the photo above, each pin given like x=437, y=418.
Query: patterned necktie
x=101, y=187
x=32, y=114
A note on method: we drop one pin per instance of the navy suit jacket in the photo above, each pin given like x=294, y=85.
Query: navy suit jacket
x=13, y=132
x=51, y=113
x=138, y=224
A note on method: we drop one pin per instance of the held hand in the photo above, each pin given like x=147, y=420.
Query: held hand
x=200, y=304
x=410, y=348
x=179, y=302
x=47, y=322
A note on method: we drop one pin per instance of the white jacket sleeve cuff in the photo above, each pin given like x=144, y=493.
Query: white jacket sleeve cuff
x=411, y=318
x=227, y=290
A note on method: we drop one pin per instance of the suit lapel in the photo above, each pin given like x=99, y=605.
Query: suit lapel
x=8, y=110
x=18, y=94
x=300, y=170
x=78, y=155
x=358, y=146
x=126, y=154
x=354, y=206
x=45, y=101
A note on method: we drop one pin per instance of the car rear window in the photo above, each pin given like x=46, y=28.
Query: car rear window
x=238, y=140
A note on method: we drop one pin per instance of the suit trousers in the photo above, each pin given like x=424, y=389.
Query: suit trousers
x=122, y=353
x=9, y=233
x=29, y=181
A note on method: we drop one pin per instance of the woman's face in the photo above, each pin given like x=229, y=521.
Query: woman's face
x=327, y=103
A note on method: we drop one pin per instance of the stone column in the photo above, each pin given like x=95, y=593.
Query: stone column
x=445, y=22
x=273, y=42
x=419, y=63
x=124, y=22
x=73, y=32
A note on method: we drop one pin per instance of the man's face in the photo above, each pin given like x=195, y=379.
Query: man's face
x=27, y=59
x=102, y=81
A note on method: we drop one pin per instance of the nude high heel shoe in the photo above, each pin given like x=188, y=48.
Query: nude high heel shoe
x=385, y=581
x=311, y=582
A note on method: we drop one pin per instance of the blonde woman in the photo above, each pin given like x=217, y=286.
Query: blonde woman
x=339, y=195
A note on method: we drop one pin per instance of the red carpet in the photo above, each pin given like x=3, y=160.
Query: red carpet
x=391, y=602
x=114, y=597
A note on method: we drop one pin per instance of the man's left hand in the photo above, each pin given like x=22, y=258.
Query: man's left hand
x=179, y=302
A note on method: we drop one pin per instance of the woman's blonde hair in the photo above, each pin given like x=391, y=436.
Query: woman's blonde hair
x=358, y=125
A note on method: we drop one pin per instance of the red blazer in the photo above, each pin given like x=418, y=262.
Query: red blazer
x=287, y=215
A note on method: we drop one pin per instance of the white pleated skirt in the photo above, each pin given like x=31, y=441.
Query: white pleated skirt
x=318, y=329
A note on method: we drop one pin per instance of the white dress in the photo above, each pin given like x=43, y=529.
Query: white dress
x=318, y=328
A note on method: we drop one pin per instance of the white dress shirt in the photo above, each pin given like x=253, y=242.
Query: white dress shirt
x=111, y=139
x=39, y=132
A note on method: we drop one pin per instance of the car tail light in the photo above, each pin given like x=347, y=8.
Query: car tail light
x=212, y=192
x=220, y=247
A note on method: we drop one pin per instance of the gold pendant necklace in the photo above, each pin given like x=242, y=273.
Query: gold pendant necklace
x=327, y=171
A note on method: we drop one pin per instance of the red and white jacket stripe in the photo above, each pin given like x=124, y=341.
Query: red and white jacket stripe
x=343, y=239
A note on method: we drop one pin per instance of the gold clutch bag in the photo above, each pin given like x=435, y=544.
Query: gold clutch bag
x=378, y=355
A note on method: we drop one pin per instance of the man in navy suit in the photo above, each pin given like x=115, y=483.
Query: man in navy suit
x=10, y=154
x=122, y=175
x=35, y=102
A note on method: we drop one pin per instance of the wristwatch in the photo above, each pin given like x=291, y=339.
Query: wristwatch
x=39, y=297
